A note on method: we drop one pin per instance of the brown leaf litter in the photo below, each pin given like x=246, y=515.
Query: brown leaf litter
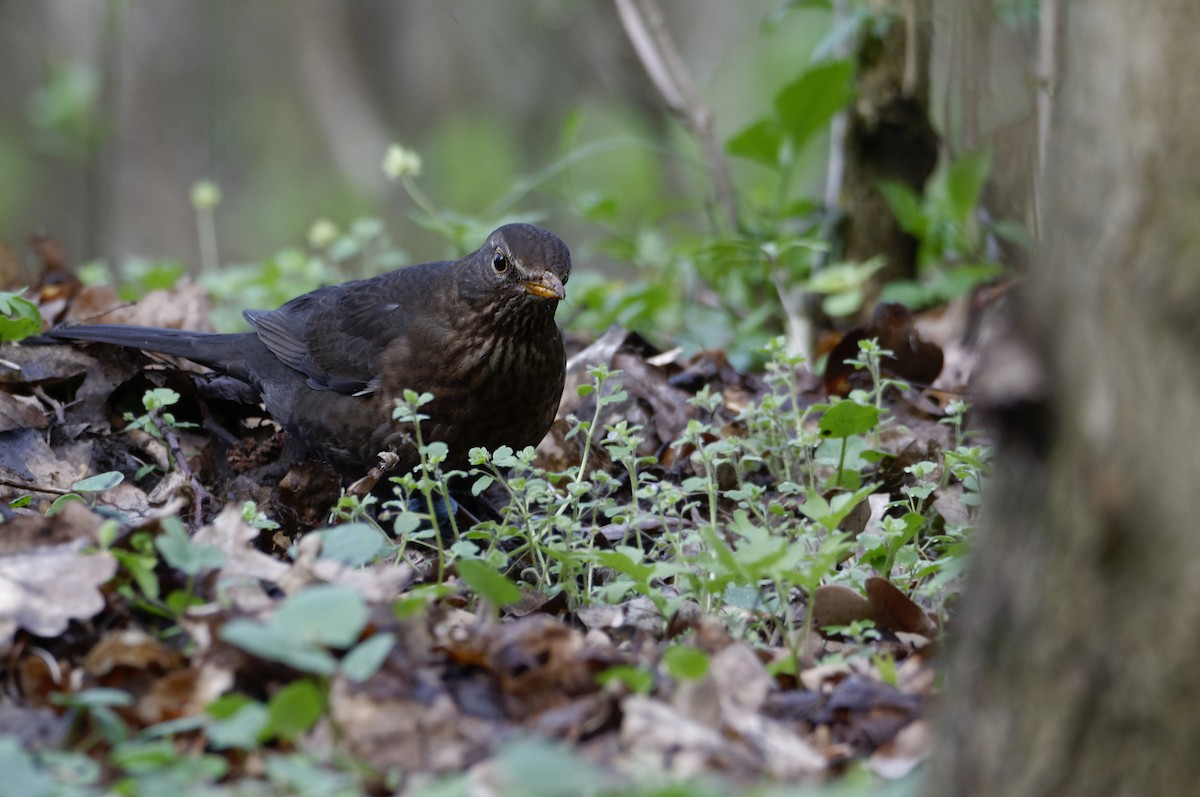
x=457, y=685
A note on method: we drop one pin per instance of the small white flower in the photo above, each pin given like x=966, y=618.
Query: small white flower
x=400, y=162
x=205, y=195
x=322, y=233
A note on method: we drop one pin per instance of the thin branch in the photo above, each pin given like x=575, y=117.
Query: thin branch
x=835, y=170
x=179, y=460
x=31, y=488
x=799, y=324
x=643, y=23
x=1047, y=75
x=912, y=47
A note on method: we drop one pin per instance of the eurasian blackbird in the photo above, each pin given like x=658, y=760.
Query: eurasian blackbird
x=478, y=333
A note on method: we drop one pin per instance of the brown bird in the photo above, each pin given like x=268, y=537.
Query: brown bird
x=478, y=333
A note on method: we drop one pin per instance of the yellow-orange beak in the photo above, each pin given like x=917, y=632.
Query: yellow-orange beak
x=546, y=286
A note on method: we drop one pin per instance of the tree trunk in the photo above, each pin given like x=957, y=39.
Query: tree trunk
x=889, y=137
x=1075, y=664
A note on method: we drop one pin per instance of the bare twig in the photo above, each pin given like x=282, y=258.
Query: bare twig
x=644, y=26
x=908, y=84
x=55, y=405
x=835, y=170
x=179, y=460
x=32, y=488
x=799, y=323
x=1047, y=75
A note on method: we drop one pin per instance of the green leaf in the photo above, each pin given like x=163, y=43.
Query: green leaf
x=841, y=36
x=761, y=142
x=19, y=317
x=138, y=756
x=842, y=304
x=352, y=544
x=504, y=457
x=326, y=614
x=781, y=11
x=685, y=663
x=406, y=523
x=906, y=207
x=909, y=293
x=99, y=483
x=414, y=601
x=807, y=104
x=302, y=774
x=848, y=418
x=244, y=729
x=62, y=501
x=839, y=277
x=758, y=549
x=486, y=582
x=964, y=180
x=180, y=600
x=21, y=775
x=274, y=644
x=959, y=280
x=638, y=679
x=625, y=564
x=830, y=513
x=93, y=698
x=365, y=658
x=1012, y=231
x=435, y=450
x=295, y=708
x=722, y=554
x=227, y=705
x=181, y=553
x=159, y=397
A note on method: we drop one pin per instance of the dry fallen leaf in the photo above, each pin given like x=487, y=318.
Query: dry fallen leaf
x=892, y=609
x=44, y=589
x=730, y=698
x=913, y=358
x=657, y=736
x=885, y=605
x=838, y=605
x=20, y=412
x=903, y=753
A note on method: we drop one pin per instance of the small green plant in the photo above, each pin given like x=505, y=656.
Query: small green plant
x=205, y=196
x=953, y=255
x=134, y=277
x=140, y=556
x=97, y=707
x=256, y=518
x=191, y=558
x=308, y=627
x=427, y=482
x=19, y=317
x=801, y=110
x=858, y=631
x=93, y=486
x=66, y=110
x=157, y=421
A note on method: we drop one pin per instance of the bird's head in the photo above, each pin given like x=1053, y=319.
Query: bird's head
x=522, y=263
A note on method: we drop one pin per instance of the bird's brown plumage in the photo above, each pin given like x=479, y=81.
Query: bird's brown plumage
x=478, y=333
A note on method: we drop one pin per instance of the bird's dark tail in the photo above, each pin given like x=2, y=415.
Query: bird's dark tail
x=225, y=352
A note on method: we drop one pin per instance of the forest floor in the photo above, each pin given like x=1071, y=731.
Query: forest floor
x=734, y=581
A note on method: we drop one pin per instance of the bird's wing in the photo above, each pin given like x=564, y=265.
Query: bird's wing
x=336, y=335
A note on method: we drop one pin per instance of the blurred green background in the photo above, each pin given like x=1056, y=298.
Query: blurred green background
x=537, y=109
x=116, y=107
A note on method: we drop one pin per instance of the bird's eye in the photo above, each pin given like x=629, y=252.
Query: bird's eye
x=499, y=262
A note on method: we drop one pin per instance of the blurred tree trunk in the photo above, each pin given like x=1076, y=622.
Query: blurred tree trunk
x=1075, y=664
x=889, y=136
